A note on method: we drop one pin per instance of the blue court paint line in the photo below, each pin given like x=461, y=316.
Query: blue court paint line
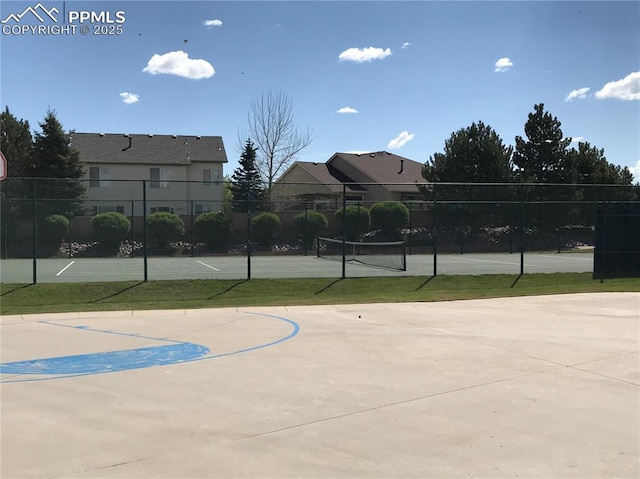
x=108, y=362
x=113, y=361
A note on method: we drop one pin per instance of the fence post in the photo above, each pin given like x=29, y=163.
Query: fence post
x=306, y=226
x=248, y=235
x=410, y=227
x=144, y=230
x=69, y=232
x=35, y=232
x=435, y=232
x=191, y=220
x=133, y=237
x=344, y=230
x=522, y=231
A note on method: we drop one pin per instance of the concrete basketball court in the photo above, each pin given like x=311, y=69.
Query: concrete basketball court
x=539, y=387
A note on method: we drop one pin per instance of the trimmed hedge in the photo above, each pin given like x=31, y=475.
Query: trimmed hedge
x=52, y=230
x=265, y=228
x=110, y=229
x=390, y=217
x=163, y=229
x=358, y=221
x=215, y=229
x=309, y=225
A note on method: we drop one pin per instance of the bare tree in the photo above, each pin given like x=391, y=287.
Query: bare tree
x=275, y=135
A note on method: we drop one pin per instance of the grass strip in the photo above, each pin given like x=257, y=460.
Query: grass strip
x=190, y=294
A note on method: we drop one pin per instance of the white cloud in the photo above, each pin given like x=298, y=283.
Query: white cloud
x=179, y=64
x=358, y=152
x=502, y=65
x=635, y=171
x=212, y=23
x=360, y=55
x=576, y=139
x=579, y=94
x=400, y=140
x=626, y=89
x=347, y=109
x=129, y=98
x=406, y=45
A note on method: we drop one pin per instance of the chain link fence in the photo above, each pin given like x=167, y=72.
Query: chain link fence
x=47, y=236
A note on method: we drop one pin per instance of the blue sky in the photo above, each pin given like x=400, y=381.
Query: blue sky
x=413, y=72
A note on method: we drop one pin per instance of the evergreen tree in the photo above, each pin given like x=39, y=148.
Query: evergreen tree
x=53, y=158
x=246, y=184
x=542, y=157
x=16, y=144
x=475, y=154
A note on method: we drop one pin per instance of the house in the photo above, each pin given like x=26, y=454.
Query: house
x=367, y=178
x=182, y=174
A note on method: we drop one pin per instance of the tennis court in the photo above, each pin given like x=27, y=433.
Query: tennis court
x=519, y=387
x=53, y=270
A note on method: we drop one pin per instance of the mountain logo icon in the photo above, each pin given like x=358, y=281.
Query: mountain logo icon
x=38, y=11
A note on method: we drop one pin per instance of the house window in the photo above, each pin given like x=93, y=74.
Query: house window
x=161, y=209
x=354, y=199
x=415, y=202
x=107, y=209
x=322, y=205
x=206, y=177
x=159, y=178
x=199, y=209
x=97, y=175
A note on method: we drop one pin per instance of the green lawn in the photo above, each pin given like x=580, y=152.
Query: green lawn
x=49, y=298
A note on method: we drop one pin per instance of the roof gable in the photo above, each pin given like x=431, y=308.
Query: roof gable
x=383, y=167
x=148, y=149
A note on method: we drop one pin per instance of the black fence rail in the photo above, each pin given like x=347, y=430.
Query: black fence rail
x=205, y=233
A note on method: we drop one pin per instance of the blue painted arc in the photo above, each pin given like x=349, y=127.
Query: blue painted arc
x=110, y=361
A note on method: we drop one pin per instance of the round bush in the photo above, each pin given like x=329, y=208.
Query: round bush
x=110, y=229
x=52, y=230
x=265, y=228
x=390, y=217
x=309, y=225
x=215, y=229
x=164, y=228
x=358, y=220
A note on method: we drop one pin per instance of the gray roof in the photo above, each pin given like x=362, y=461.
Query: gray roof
x=148, y=149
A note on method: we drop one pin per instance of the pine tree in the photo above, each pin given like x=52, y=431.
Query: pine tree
x=246, y=184
x=542, y=157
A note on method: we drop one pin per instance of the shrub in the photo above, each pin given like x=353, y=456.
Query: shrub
x=264, y=229
x=164, y=228
x=110, y=229
x=51, y=232
x=390, y=217
x=215, y=229
x=358, y=220
x=309, y=225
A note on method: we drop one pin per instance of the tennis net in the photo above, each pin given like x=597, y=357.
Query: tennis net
x=389, y=254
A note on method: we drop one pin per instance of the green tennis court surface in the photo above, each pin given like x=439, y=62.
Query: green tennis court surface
x=235, y=267
x=537, y=387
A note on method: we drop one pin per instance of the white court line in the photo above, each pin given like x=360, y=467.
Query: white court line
x=63, y=269
x=208, y=266
x=567, y=257
x=464, y=259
